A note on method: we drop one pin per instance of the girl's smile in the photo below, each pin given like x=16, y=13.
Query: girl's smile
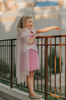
x=29, y=23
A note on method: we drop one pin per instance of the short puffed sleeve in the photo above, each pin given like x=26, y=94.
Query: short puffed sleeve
x=34, y=31
x=24, y=32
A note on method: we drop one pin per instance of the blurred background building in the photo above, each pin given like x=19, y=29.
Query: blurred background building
x=49, y=13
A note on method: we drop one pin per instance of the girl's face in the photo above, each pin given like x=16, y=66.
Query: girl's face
x=29, y=23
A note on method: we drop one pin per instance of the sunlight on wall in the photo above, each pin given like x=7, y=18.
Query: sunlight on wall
x=6, y=19
x=46, y=16
x=0, y=12
x=8, y=22
x=8, y=5
x=64, y=23
x=22, y=5
x=7, y=28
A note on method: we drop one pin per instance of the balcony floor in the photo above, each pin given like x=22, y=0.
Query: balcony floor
x=13, y=94
x=1, y=98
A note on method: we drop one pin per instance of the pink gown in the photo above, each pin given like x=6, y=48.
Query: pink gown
x=27, y=58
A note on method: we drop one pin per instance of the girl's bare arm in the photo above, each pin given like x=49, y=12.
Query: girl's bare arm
x=30, y=41
x=47, y=29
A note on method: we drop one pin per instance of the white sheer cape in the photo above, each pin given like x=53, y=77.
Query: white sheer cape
x=22, y=61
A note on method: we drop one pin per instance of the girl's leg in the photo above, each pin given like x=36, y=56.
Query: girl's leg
x=32, y=78
x=30, y=84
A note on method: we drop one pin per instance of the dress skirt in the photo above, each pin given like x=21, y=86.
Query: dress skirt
x=33, y=60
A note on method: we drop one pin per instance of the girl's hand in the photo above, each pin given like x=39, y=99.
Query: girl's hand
x=57, y=28
x=37, y=35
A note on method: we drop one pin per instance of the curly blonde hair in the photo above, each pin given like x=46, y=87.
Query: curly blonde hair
x=22, y=21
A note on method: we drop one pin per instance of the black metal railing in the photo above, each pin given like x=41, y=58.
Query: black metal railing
x=41, y=79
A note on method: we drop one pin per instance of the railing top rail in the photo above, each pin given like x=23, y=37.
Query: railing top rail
x=50, y=36
x=8, y=39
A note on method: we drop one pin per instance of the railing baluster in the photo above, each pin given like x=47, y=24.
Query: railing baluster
x=50, y=65
x=55, y=65
x=41, y=63
x=60, y=66
x=11, y=64
x=13, y=60
x=7, y=55
x=46, y=68
x=44, y=62
x=3, y=58
x=38, y=70
x=65, y=67
x=9, y=59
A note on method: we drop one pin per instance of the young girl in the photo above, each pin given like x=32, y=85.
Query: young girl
x=27, y=57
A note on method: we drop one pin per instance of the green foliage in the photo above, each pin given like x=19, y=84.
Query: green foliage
x=14, y=70
x=52, y=61
x=4, y=82
x=3, y=67
x=53, y=98
x=38, y=73
x=21, y=88
x=4, y=70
